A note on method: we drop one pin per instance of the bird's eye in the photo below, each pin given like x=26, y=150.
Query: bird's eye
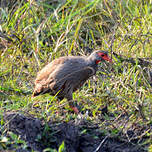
x=102, y=55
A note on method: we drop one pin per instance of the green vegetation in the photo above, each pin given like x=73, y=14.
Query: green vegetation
x=36, y=32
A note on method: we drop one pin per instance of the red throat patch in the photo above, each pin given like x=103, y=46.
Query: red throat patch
x=98, y=61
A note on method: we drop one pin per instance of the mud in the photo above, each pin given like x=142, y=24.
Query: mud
x=40, y=135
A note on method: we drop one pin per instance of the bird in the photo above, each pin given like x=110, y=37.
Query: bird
x=66, y=74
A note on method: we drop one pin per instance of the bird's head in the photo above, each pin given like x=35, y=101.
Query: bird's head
x=99, y=56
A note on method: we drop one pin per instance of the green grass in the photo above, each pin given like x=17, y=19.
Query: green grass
x=41, y=32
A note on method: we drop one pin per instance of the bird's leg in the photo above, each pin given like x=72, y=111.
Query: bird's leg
x=71, y=102
x=74, y=108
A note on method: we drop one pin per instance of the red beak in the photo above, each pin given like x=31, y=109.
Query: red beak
x=106, y=57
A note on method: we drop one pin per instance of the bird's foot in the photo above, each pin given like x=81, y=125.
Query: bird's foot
x=75, y=109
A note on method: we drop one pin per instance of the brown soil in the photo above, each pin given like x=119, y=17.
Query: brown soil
x=40, y=135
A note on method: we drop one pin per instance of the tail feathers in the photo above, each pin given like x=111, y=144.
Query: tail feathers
x=38, y=89
x=35, y=94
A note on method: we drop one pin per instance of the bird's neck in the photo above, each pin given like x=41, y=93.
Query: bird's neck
x=92, y=61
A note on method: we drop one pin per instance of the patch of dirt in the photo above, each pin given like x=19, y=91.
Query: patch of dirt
x=40, y=135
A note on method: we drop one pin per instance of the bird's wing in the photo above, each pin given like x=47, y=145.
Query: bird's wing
x=73, y=79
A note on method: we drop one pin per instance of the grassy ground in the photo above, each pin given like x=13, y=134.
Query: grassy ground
x=36, y=32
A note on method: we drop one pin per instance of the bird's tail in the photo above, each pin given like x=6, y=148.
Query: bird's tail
x=35, y=94
x=40, y=89
x=37, y=90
